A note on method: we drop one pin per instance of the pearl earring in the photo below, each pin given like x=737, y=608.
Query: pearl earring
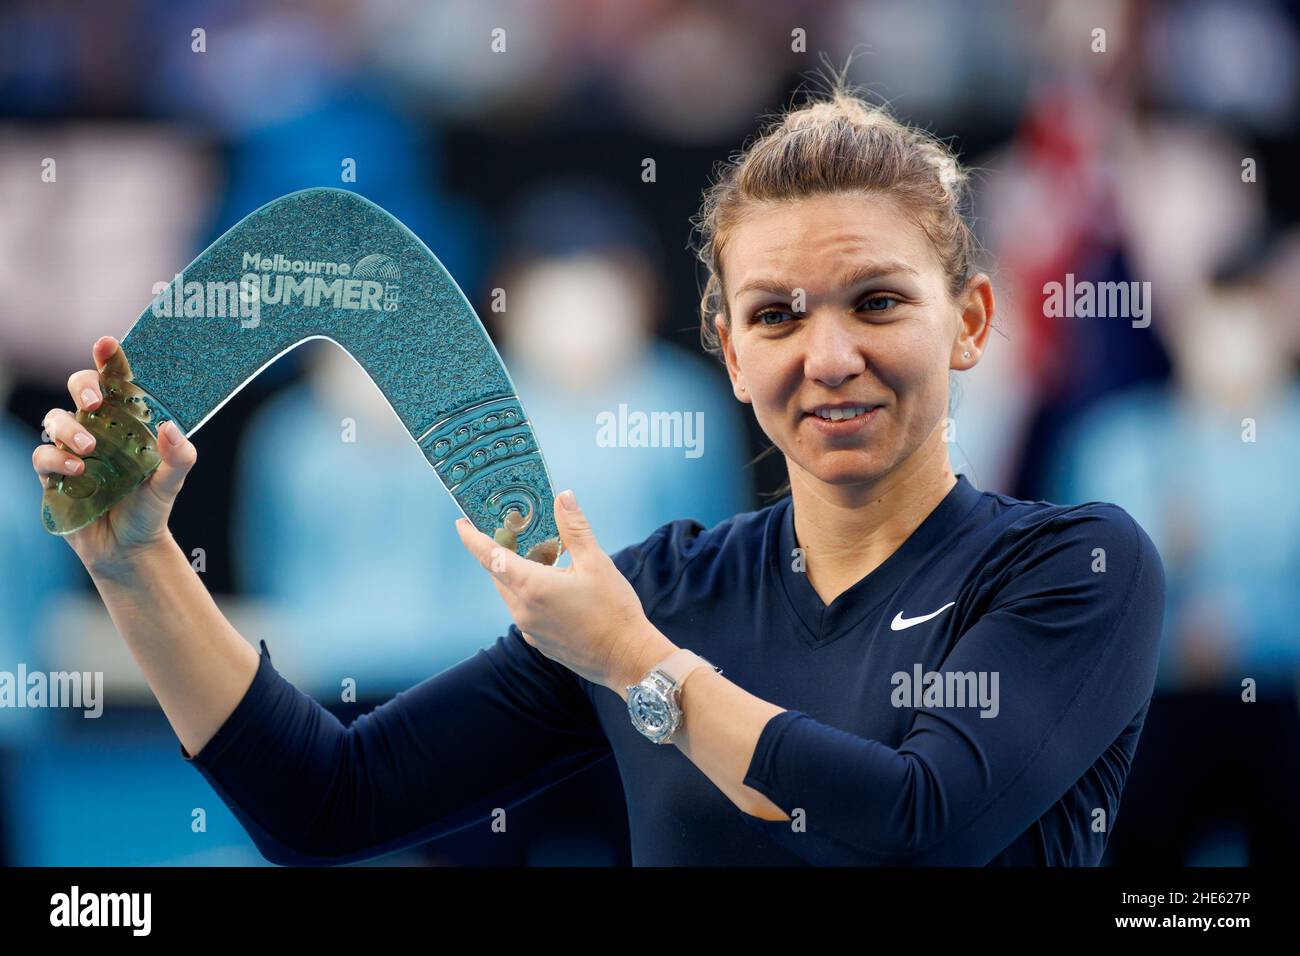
x=965, y=355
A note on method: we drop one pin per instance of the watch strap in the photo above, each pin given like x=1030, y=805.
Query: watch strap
x=680, y=663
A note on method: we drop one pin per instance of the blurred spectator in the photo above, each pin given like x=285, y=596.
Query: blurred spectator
x=1207, y=467
x=582, y=275
x=354, y=540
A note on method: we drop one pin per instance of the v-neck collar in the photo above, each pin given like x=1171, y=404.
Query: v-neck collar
x=822, y=623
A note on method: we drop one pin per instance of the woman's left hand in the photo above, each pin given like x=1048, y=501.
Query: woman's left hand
x=586, y=616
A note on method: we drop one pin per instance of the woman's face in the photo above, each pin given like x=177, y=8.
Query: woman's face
x=840, y=300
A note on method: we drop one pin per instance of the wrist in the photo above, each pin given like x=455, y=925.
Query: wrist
x=651, y=648
x=131, y=563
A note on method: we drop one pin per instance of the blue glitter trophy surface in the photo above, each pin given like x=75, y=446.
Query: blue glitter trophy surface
x=320, y=264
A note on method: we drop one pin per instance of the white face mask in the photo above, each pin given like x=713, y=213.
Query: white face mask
x=575, y=320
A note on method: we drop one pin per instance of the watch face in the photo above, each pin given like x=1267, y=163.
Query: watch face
x=649, y=711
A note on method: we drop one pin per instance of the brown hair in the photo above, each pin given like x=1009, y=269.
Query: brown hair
x=837, y=142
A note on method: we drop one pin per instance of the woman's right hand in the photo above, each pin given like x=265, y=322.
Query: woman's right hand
x=139, y=520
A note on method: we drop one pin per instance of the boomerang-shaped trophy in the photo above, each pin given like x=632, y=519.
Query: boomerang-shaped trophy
x=320, y=264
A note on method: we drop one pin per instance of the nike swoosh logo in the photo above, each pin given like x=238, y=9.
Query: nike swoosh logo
x=900, y=623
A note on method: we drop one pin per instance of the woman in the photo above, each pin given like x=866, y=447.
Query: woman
x=912, y=671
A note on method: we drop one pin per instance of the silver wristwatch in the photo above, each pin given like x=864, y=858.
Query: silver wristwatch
x=654, y=704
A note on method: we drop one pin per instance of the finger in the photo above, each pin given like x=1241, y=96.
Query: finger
x=178, y=456
x=84, y=388
x=515, y=572
x=575, y=530
x=67, y=432
x=109, y=357
x=48, y=460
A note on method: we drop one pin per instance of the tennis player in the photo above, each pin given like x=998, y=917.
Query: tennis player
x=885, y=667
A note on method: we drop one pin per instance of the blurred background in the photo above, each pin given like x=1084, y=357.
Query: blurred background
x=1164, y=156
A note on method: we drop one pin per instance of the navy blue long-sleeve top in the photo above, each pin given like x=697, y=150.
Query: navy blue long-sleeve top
x=976, y=699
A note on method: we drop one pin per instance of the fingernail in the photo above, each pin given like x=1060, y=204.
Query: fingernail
x=89, y=396
x=82, y=440
x=567, y=499
x=72, y=464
